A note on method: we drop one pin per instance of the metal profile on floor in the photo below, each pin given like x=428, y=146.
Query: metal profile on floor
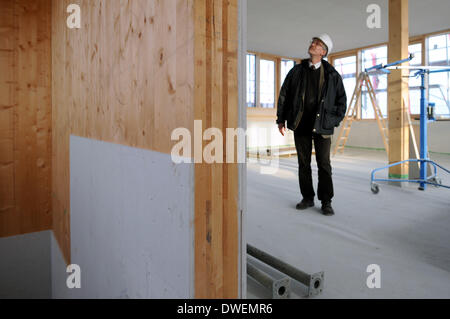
x=314, y=282
x=280, y=288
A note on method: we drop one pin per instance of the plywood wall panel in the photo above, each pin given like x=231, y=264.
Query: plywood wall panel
x=25, y=112
x=134, y=72
x=125, y=77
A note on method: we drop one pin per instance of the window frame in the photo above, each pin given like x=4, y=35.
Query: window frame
x=257, y=111
x=275, y=82
x=247, y=80
x=427, y=78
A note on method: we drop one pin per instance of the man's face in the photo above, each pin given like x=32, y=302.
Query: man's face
x=317, y=47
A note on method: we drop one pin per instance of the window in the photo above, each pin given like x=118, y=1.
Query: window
x=265, y=76
x=267, y=83
x=372, y=57
x=415, y=82
x=439, y=55
x=286, y=66
x=347, y=69
x=251, y=80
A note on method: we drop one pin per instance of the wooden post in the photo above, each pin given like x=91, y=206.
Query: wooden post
x=216, y=185
x=398, y=88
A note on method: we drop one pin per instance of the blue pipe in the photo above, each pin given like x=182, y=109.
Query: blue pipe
x=423, y=132
x=439, y=71
x=383, y=66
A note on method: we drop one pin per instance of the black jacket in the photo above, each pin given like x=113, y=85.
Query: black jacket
x=332, y=106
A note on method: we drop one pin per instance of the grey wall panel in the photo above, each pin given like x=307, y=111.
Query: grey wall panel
x=58, y=272
x=131, y=223
x=25, y=266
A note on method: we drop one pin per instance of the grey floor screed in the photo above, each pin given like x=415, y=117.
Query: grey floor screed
x=403, y=230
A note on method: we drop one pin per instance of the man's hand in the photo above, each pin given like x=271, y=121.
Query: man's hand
x=282, y=128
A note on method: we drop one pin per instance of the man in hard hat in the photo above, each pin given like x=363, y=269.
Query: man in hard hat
x=313, y=102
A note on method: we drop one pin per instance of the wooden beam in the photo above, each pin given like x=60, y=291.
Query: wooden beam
x=398, y=88
x=216, y=185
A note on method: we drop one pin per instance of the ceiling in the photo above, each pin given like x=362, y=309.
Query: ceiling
x=284, y=27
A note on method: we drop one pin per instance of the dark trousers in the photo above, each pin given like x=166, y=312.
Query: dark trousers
x=303, y=144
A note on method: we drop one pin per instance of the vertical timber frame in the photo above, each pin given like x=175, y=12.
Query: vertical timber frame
x=398, y=88
x=216, y=104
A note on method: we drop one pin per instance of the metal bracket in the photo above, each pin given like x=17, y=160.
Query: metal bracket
x=316, y=284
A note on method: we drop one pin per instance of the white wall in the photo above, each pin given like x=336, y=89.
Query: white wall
x=262, y=133
x=439, y=137
x=367, y=134
x=362, y=134
x=131, y=224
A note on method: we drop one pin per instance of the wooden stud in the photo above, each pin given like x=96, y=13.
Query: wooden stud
x=397, y=88
x=216, y=188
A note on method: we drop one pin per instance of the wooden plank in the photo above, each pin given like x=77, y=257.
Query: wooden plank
x=378, y=114
x=67, y=107
x=216, y=190
x=411, y=128
x=398, y=87
x=25, y=117
x=218, y=119
x=7, y=41
x=9, y=223
x=202, y=204
x=7, y=91
x=231, y=189
x=44, y=115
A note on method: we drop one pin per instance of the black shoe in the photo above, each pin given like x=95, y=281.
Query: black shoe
x=304, y=204
x=327, y=210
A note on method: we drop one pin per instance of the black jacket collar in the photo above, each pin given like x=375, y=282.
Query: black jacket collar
x=326, y=65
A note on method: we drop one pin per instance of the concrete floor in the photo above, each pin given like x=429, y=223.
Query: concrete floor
x=403, y=230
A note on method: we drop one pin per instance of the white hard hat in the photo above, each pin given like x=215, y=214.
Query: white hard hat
x=325, y=38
